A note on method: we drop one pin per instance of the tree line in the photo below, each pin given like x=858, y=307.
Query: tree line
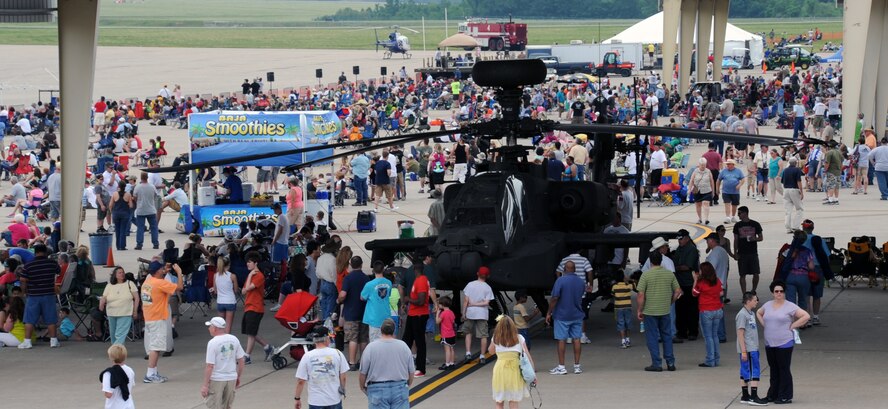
x=570, y=9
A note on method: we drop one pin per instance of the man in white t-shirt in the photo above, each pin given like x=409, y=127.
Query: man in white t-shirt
x=25, y=125
x=225, y=363
x=653, y=105
x=819, y=114
x=476, y=298
x=279, y=252
x=658, y=162
x=325, y=371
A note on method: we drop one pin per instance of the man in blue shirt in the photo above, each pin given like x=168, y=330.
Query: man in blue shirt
x=383, y=181
x=376, y=293
x=360, y=167
x=565, y=306
x=731, y=180
x=233, y=186
x=353, y=306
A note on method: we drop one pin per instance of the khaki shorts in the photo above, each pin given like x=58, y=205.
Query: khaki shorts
x=818, y=121
x=356, y=331
x=387, y=189
x=221, y=394
x=479, y=327
x=158, y=336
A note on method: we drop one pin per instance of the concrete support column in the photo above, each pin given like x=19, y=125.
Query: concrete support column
x=855, y=30
x=704, y=32
x=870, y=77
x=882, y=86
x=686, y=44
x=671, y=17
x=720, y=26
x=78, y=31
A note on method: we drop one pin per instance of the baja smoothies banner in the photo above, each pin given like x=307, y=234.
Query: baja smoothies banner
x=229, y=134
x=216, y=220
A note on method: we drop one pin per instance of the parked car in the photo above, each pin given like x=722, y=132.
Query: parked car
x=728, y=62
x=785, y=56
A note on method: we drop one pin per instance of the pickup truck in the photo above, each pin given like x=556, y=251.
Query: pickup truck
x=562, y=68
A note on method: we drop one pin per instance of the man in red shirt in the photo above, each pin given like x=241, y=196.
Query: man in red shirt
x=254, y=307
x=417, y=316
x=99, y=116
x=714, y=164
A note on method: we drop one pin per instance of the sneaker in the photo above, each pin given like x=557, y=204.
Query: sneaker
x=757, y=401
x=269, y=351
x=154, y=379
x=247, y=360
x=745, y=399
x=468, y=357
x=482, y=360
x=558, y=370
x=577, y=369
x=275, y=308
x=653, y=369
x=727, y=220
x=418, y=374
x=54, y=343
x=628, y=343
x=623, y=344
x=735, y=219
x=26, y=344
x=421, y=191
x=585, y=340
x=353, y=367
x=443, y=367
x=815, y=320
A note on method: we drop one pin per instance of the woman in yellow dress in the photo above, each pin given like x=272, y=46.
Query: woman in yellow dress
x=507, y=344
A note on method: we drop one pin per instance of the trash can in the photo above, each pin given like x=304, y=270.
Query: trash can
x=405, y=229
x=99, y=244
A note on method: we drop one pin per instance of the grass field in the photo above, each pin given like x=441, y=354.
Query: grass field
x=292, y=24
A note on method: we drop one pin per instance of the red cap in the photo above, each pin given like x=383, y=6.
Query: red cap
x=483, y=271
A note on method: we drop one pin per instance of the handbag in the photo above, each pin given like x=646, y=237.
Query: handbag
x=527, y=371
x=813, y=277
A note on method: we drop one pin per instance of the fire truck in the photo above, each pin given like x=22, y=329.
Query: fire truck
x=496, y=36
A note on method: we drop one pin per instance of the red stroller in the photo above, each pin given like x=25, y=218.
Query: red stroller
x=297, y=315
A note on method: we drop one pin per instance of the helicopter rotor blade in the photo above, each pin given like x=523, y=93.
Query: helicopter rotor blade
x=239, y=159
x=674, y=132
x=410, y=29
x=408, y=138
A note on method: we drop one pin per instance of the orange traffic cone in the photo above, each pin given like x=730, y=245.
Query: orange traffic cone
x=110, y=262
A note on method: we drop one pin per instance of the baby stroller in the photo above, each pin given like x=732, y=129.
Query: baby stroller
x=297, y=315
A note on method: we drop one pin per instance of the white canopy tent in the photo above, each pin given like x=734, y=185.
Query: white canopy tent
x=650, y=31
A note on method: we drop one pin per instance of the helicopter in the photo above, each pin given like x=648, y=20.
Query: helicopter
x=396, y=43
x=509, y=217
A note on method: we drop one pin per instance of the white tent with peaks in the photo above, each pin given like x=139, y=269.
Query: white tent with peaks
x=650, y=31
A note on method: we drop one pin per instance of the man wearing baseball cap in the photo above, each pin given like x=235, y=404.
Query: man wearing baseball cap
x=225, y=363
x=476, y=298
x=324, y=369
x=155, y=295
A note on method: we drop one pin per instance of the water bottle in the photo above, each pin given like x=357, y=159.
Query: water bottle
x=25, y=213
x=641, y=327
x=796, y=337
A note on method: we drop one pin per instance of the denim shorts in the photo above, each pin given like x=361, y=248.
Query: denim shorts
x=817, y=289
x=568, y=329
x=226, y=307
x=41, y=306
x=750, y=370
x=624, y=318
x=279, y=253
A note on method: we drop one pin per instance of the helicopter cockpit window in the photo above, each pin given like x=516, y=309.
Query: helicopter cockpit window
x=475, y=205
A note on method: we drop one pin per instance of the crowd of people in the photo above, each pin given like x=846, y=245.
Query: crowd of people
x=680, y=297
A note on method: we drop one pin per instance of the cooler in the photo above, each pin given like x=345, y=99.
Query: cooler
x=669, y=176
x=248, y=190
x=366, y=221
x=405, y=229
x=206, y=196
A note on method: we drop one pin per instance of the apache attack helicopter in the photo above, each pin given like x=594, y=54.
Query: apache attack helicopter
x=509, y=217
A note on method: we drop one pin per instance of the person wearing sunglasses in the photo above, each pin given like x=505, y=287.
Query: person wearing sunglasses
x=780, y=318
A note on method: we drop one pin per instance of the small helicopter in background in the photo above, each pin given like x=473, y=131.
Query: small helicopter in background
x=396, y=43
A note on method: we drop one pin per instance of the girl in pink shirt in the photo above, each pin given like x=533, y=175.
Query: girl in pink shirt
x=445, y=320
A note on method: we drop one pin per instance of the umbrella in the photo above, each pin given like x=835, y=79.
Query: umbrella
x=577, y=78
x=458, y=40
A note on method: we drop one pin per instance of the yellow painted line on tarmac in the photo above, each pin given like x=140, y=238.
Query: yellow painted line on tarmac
x=706, y=229
x=437, y=383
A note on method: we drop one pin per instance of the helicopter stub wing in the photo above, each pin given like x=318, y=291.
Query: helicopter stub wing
x=640, y=240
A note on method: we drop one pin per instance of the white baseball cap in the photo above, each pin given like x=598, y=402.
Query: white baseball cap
x=217, y=322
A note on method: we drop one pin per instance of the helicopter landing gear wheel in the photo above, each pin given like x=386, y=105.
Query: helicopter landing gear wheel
x=407, y=55
x=278, y=362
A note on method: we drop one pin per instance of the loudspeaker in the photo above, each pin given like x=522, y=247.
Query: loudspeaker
x=383, y=71
x=270, y=76
x=356, y=70
x=319, y=73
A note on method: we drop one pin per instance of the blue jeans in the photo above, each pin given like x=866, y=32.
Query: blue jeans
x=118, y=327
x=388, y=395
x=328, y=299
x=798, y=126
x=360, y=189
x=657, y=326
x=722, y=335
x=882, y=179
x=709, y=323
x=121, y=222
x=140, y=229
x=581, y=172
x=524, y=332
x=798, y=285
x=431, y=324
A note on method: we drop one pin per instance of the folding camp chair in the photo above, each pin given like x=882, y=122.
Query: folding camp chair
x=861, y=261
x=196, y=293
